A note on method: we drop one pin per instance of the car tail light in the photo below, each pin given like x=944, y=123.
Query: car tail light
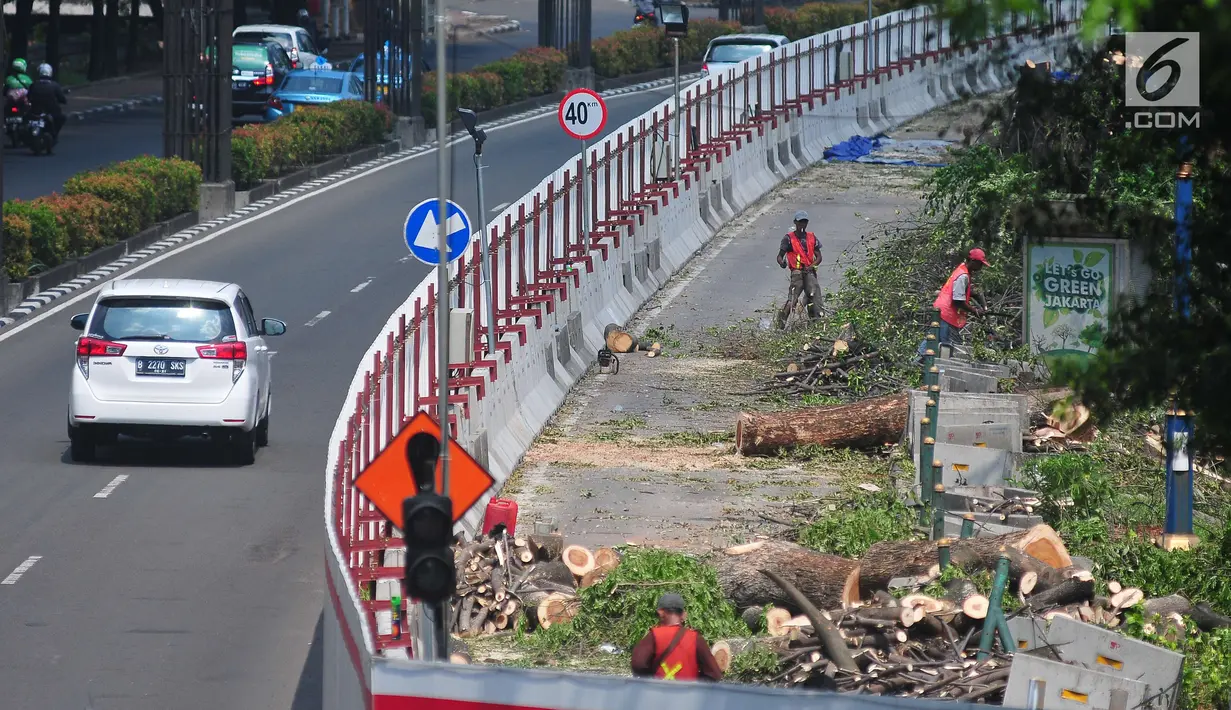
x=268, y=79
x=237, y=353
x=275, y=103
x=13, y=110
x=88, y=347
x=705, y=67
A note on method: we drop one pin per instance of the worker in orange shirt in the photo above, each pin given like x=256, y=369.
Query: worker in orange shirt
x=957, y=300
x=800, y=251
x=671, y=650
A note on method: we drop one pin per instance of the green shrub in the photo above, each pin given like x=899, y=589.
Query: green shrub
x=309, y=135
x=858, y=522
x=90, y=222
x=48, y=237
x=252, y=155
x=815, y=18
x=17, y=235
x=177, y=183
x=134, y=194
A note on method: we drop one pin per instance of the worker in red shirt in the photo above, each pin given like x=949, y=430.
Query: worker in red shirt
x=800, y=252
x=671, y=650
x=957, y=300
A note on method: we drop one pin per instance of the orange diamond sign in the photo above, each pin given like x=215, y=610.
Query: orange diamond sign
x=387, y=481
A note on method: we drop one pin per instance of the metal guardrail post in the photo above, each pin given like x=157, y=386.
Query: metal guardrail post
x=968, y=526
x=995, y=612
x=938, y=511
x=943, y=553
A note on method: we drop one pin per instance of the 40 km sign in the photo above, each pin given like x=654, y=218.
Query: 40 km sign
x=582, y=114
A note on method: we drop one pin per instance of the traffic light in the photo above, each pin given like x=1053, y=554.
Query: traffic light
x=427, y=520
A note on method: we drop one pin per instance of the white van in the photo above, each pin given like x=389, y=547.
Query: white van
x=295, y=40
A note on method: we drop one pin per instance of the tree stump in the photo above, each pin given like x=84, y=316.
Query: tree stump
x=828, y=581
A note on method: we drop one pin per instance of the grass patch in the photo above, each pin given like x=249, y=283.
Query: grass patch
x=694, y=438
x=848, y=527
x=621, y=609
x=625, y=423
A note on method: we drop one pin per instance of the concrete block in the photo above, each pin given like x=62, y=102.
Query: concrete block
x=1116, y=655
x=1029, y=632
x=217, y=200
x=1068, y=687
x=410, y=131
x=953, y=528
x=960, y=380
x=578, y=79
x=969, y=465
x=1000, y=435
x=997, y=371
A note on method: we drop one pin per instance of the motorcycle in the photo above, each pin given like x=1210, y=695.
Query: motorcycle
x=37, y=133
x=14, y=123
x=645, y=18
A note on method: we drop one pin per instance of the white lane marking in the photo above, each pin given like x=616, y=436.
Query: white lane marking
x=44, y=314
x=363, y=285
x=272, y=352
x=404, y=259
x=21, y=569
x=500, y=206
x=110, y=487
x=317, y=319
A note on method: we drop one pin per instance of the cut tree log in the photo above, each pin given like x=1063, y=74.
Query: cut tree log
x=617, y=340
x=828, y=581
x=552, y=572
x=606, y=558
x=1207, y=619
x=556, y=608
x=967, y=597
x=754, y=618
x=929, y=605
x=546, y=547
x=1114, y=587
x=918, y=558
x=831, y=640
x=578, y=559
x=1126, y=598
x=776, y=620
x=725, y=650
x=871, y=422
x=593, y=577
x=1069, y=591
x=1166, y=606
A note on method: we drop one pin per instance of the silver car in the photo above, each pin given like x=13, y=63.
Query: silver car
x=727, y=52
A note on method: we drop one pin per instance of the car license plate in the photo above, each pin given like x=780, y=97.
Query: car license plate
x=12, y=120
x=36, y=123
x=237, y=85
x=160, y=366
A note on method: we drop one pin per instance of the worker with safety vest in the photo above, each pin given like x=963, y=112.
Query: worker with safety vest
x=671, y=650
x=955, y=300
x=800, y=252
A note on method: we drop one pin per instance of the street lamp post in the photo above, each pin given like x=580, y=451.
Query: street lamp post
x=471, y=121
x=674, y=16
x=1178, y=525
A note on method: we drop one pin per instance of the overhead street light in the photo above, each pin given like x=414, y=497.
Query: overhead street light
x=471, y=121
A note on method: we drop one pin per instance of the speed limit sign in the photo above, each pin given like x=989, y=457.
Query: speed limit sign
x=582, y=114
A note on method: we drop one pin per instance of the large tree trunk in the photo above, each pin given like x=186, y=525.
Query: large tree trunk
x=22, y=24
x=98, y=40
x=134, y=36
x=828, y=580
x=53, y=35
x=111, y=47
x=918, y=558
x=872, y=422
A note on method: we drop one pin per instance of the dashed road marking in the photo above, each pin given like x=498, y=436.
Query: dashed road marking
x=21, y=569
x=110, y=487
x=500, y=206
x=317, y=319
x=362, y=286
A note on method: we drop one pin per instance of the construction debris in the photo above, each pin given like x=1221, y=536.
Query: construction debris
x=501, y=578
x=837, y=367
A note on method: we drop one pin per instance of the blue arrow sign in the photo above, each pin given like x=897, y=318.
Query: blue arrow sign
x=423, y=231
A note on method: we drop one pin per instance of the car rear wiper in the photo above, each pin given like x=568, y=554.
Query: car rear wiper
x=147, y=337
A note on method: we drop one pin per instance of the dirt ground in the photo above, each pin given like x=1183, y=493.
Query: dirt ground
x=646, y=456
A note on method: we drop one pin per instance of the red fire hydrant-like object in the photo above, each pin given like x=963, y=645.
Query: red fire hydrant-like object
x=500, y=510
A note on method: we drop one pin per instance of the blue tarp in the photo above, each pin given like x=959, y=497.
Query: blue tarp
x=859, y=149
x=1062, y=75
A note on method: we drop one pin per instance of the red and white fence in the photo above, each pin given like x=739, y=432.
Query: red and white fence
x=556, y=285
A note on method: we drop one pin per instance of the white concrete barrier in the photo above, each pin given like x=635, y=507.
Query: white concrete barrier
x=773, y=118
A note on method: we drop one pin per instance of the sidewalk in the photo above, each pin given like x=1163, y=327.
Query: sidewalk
x=647, y=456
x=118, y=94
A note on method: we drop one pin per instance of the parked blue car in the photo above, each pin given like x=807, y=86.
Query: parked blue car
x=312, y=88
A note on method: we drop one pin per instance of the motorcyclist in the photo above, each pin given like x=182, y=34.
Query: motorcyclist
x=306, y=21
x=15, y=93
x=47, y=96
x=646, y=8
x=17, y=69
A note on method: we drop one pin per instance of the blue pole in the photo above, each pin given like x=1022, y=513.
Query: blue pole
x=1178, y=527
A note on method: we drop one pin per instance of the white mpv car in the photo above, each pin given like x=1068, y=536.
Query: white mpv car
x=171, y=357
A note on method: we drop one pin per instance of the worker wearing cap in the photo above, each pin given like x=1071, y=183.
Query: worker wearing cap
x=955, y=299
x=800, y=252
x=671, y=650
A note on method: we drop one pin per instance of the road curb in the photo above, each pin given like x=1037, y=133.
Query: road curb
x=42, y=299
x=117, y=107
x=511, y=26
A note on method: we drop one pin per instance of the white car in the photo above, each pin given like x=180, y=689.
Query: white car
x=167, y=358
x=295, y=40
x=728, y=51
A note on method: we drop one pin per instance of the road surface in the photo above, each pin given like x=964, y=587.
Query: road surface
x=100, y=141
x=160, y=578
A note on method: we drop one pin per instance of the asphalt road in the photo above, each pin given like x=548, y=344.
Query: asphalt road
x=192, y=584
x=100, y=141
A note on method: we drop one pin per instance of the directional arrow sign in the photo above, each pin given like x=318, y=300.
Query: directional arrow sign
x=422, y=231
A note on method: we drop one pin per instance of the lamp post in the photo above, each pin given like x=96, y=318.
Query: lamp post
x=674, y=16
x=1178, y=525
x=471, y=121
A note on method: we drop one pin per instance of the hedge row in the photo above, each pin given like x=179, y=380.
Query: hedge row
x=309, y=135
x=98, y=208
x=815, y=18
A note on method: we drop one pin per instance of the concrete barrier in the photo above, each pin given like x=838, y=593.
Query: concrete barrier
x=776, y=134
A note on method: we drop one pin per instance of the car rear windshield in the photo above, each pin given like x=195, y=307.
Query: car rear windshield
x=312, y=84
x=736, y=53
x=281, y=38
x=187, y=320
x=249, y=57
